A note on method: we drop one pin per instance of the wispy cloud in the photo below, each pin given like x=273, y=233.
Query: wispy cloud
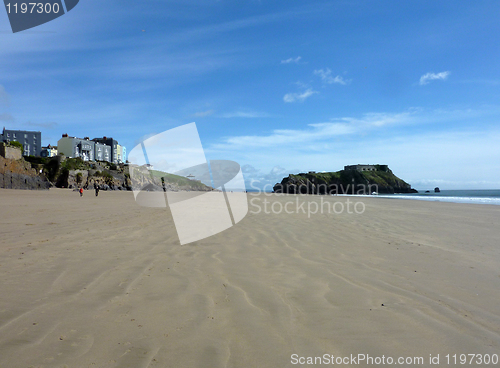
x=291, y=60
x=299, y=97
x=245, y=114
x=317, y=132
x=203, y=114
x=326, y=77
x=424, y=79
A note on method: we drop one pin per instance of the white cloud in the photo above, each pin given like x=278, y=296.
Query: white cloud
x=326, y=77
x=293, y=97
x=424, y=79
x=317, y=132
x=291, y=60
x=284, y=137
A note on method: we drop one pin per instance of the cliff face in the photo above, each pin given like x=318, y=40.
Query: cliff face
x=106, y=179
x=120, y=179
x=344, y=182
x=18, y=174
x=75, y=173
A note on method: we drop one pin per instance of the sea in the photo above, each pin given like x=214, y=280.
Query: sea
x=478, y=196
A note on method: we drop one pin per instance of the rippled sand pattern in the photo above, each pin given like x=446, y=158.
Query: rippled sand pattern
x=102, y=282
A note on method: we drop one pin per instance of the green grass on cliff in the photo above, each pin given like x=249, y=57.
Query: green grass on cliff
x=384, y=178
x=178, y=180
x=381, y=178
x=320, y=177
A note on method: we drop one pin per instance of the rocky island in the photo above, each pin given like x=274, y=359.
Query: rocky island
x=354, y=179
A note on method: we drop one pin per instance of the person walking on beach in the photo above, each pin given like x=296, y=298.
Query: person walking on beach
x=81, y=192
x=96, y=186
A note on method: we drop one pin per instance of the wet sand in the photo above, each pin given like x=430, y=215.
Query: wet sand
x=103, y=282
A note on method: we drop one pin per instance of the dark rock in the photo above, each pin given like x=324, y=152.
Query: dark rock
x=22, y=181
x=18, y=174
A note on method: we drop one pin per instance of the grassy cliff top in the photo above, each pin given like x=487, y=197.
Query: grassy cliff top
x=181, y=181
x=381, y=178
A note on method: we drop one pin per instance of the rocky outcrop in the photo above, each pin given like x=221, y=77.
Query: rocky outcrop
x=119, y=178
x=344, y=182
x=18, y=174
x=106, y=179
x=63, y=172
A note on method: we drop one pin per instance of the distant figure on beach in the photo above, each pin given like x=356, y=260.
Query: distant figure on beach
x=96, y=186
x=81, y=192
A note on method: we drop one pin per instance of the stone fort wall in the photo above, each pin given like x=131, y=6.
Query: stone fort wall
x=12, y=153
x=361, y=167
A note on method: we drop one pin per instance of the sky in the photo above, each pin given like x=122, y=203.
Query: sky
x=278, y=86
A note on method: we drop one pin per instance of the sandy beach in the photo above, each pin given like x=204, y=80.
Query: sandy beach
x=103, y=282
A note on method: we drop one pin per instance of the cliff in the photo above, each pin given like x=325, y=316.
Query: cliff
x=74, y=173
x=344, y=182
x=18, y=174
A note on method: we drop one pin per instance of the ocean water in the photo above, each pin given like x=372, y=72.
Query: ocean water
x=478, y=196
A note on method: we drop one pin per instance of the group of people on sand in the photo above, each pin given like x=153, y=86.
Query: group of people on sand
x=96, y=187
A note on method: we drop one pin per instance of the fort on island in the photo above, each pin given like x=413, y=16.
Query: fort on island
x=362, y=167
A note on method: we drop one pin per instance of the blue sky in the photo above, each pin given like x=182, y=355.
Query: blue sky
x=278, y=86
